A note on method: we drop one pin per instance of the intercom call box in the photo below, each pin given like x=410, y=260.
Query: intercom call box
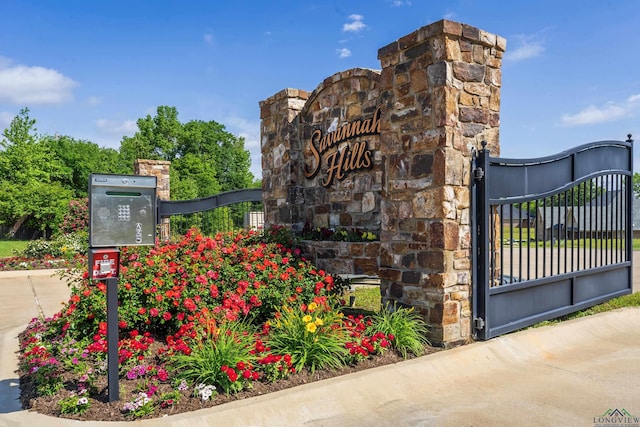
x=122, y=210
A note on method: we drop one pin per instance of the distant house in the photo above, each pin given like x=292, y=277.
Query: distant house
x=603, y=217
x=551, y=222
x=635, y=217
x=514, y=216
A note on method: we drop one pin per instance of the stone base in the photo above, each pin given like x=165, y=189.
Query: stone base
x=349, y=258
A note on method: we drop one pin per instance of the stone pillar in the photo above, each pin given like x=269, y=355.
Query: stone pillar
x=160, y=169
x=282, y=162
x=440, y=92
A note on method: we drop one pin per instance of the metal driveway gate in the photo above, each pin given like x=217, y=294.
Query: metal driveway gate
x=226, y=211
x=551, y=236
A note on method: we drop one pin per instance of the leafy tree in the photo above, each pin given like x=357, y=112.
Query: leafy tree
x=636, y=184
x=579, y=195
x=206, y=159
x=23, y=160
x=211, y=142
x=194, y=177
x=157, y=137
x=79, y=158
x=30, y=191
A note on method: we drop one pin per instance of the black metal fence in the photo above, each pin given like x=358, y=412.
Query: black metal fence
x=552, y=235
x=229, y=211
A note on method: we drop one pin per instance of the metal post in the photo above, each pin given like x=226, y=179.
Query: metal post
x=481, y=237
x=629, y=212
x=112, y=339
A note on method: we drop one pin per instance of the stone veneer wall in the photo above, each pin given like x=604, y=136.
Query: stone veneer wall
x=441, y=86
x=349, y=258
x=439, y=93
x=282, y=176
x=353, y=202
x=161, y=170
x=288, y=120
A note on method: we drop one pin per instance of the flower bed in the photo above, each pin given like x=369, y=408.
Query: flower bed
x=201, y=321
x=46, y=262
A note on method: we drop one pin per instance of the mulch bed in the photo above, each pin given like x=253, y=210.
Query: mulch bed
x=101, y=410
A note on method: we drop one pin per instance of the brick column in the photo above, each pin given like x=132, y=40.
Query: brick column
x=282, y=162
x=160, y=169
x=440, y=91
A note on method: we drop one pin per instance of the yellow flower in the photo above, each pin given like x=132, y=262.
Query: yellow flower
x=306, y=319
x=319, y=322
x=311, y=327
x=312, y=306
x=367, y=235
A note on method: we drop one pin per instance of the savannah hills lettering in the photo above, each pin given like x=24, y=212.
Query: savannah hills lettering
x=350, y=157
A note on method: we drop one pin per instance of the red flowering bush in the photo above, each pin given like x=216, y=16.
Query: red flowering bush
x=227, y=277
x=197, y=317
x=76, y=218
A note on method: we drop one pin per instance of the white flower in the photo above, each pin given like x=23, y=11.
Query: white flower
x=204, y=391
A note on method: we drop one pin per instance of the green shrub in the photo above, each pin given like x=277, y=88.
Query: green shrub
x=74, y=404
x=222, y=358
x=38, y=249
x=313, y=335
x=63, y=246
x=408, y=329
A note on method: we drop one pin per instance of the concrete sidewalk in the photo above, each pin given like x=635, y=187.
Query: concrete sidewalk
x=566, y=374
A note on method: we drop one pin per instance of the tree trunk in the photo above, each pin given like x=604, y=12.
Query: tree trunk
x=17, y=226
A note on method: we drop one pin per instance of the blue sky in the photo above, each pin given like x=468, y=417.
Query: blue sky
x=90, y=69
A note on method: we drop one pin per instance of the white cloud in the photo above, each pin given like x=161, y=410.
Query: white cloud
x=528, y=48
x=245, y=128
x=398, y=3
x=208, y=39
x=356, y=24
x=94, y=100
x=113, y=127
x=343, y=53
x=250, y=131
x=633, y=98
x=592, y=114
x=32, y=85
x=451, y=16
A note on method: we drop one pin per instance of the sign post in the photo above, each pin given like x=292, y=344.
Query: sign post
x=112, y=340
x=122, y=212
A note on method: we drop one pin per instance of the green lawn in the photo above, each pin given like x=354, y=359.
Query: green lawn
x=632, y=300
x=7, y=247
x=522, y=234
x=367, y=298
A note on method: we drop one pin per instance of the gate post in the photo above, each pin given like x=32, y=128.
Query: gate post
x=282, y=162
x=440, y=93
x=159, y=169
x=480, y=229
